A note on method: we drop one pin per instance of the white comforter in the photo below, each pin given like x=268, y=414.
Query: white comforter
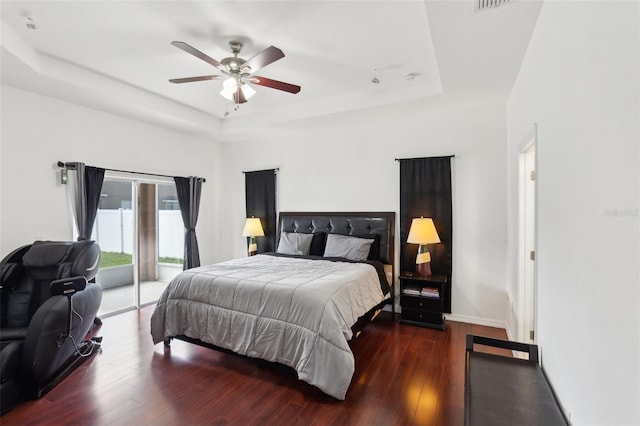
x=293, y=311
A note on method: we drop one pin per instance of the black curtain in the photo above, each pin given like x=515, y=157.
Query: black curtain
x=425, y=190
x=260, y=192
x=87, y=188
x=189, y=190
x=93, y=178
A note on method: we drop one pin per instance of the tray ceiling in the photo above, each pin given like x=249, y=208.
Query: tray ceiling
x=116, y=56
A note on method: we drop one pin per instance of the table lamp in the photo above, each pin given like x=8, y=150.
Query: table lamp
x=253, y=229
x=423, y=232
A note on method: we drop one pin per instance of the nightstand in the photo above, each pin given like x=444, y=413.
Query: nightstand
x=421, y=300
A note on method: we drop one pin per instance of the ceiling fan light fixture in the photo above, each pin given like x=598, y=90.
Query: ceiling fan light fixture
x=229, y=87
x=236, y=72
x=227, y=94
x=247, y=91
x=230, y=83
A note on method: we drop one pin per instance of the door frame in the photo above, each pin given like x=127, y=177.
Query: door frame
x=527, y=237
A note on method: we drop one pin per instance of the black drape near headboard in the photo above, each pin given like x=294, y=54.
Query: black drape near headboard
x=425, y=190
x=260, y=191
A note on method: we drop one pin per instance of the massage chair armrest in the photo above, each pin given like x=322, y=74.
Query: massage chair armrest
x=46, y=348
x=68, y=286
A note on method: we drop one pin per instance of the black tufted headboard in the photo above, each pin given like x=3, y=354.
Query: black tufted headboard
x=358, y=224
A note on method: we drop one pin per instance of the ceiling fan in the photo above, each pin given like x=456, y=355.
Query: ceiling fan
x=238, y=73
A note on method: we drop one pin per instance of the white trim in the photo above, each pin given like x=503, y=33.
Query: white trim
x=477, y=320
x=135, y=256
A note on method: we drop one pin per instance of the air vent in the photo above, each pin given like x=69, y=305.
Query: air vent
x=486, y=4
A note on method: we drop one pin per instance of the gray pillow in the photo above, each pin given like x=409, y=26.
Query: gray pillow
x=294, y=243
x=352, y=248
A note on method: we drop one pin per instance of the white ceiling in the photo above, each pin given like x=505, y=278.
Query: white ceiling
x=116, y=56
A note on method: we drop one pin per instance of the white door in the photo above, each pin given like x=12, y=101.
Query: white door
x=529, y=244
x=527, y=238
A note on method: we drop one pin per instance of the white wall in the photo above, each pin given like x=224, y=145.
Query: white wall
x=347, y=164
x=37, y=131
x=579, y=82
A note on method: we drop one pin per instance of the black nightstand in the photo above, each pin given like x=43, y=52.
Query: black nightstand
x=421, y=300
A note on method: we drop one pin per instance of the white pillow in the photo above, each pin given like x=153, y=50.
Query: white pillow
x=352, y=248
x=294, y=243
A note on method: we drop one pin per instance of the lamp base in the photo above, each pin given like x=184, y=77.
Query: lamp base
x=423, y=269
x=423, y=261
x=253, y=247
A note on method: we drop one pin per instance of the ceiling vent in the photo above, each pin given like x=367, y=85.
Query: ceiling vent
x=486, y=4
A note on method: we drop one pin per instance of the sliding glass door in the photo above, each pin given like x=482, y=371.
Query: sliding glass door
x=161, y=236
x=114, y=231
x=141, y=235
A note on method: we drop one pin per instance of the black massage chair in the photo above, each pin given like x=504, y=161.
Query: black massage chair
x=47, y=308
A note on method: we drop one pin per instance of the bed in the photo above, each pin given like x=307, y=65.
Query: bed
x=296, y=308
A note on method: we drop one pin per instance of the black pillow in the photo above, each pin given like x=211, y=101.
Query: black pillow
x=374, y=251
x=318, y=243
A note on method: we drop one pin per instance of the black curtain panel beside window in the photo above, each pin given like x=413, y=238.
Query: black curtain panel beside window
x=87, y=187
x=425, y=190
x=260, y=191
x=93, y=178
x=188, y=190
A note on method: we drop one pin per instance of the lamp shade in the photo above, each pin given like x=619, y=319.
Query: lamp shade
x=229, y=87
x=253, y=228
x=423, y=231
x=247, y=91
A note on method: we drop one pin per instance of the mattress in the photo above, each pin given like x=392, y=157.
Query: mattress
x=290, y=310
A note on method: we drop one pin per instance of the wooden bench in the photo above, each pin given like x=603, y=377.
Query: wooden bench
x=501, y=390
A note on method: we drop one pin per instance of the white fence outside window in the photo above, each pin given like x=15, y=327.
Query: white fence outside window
x=114, y=232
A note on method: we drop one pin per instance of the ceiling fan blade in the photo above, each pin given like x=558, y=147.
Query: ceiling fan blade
x=274, y=84
x=198, y=54
x=191, y=79
x=264, y=58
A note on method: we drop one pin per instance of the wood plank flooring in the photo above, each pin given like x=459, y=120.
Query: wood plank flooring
x=405, y=375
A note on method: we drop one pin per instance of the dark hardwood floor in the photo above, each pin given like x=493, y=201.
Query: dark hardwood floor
x=405, y=375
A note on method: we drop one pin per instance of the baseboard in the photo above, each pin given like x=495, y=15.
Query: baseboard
x=476, y=320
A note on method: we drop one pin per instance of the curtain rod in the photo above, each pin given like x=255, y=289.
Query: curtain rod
x=420, y=158
x=72, y=166
x=276, y=170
